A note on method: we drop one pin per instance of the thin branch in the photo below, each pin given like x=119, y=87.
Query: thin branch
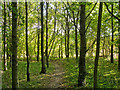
x=111, y=12
x=88, y=25
x=91, y=10
x=91, y=45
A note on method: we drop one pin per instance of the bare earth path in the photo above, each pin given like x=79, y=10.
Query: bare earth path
x=55, y=80
x=52, y=79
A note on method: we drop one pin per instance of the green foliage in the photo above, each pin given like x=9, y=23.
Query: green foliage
x=36, y=80
x=108, y=76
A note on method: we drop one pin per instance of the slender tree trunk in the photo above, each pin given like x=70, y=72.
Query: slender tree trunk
x=112, y=35
x=35, y=48
x=28, y=74
x=4, y=33
x=54, y=29
x=97, y=45
x=10, y=35
x=119, y=39
x=59, y=51
x=65, y=44
x=7, y=49
x=61, y=46
x=68, y=44
x=38, y=38
x=103, y=46
x=14, y=45
x=7, y=52
x=67, y=27
x=82, y=71
x=47, y=35
x=43, y=70
x=76, y=45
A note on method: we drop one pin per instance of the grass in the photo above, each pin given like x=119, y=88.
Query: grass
x=36, y=80
x=108, y=76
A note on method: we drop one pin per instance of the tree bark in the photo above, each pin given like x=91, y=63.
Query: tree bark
x=4, y=33
x=119, y=39
x=43, y=70
x=76, y=43
x=14, y=45
x=47, y=35
x=38, y=38
x=28, y=74
x=61, y=46
x=65, y=44
x=59, y=51
x=54, y=35
x=82, y=71
x=97, y=45
x=112, y=35
x=68, y=30
x=10, y=36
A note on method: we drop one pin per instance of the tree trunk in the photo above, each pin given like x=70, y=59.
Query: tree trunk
x=61, y=46
x=4, y=33
x=43, y=70
x=65, y=44
x=103, y=49
x=112, y=35
x=28, y=78
x=54, y=30
x=38, y=38
x=119, y=39
x=35, y=48
x=14, y=44
x=76, y=45
x=82, y=72
x=97, y=45
x=59, y=51
x=47, y=35
x=10, y=36
x=67, y=28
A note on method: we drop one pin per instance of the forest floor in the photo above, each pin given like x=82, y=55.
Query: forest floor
x=55, y=80
x=63, y=73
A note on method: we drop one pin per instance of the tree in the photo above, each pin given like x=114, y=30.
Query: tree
x=43, y=70
x=38, y=38
x=4, y=32
x=59, y=50
x=76, y=42
x=118, y=30
x=14, y=44
x=10, y=37
x=52, y=41
x=28, y=74
x=112, y=35
x=97, y=45
x=119, y=38
x=68, y=31
x=61, y=45
x=47, y=35
x=82, y=70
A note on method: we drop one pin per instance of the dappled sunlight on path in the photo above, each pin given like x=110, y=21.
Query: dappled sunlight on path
x=56, y=79
x=53, y=79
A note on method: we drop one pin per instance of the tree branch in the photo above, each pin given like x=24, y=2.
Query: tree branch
x=91, y=10
x=88, y=25
x=111, y=12
x=91, y=45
